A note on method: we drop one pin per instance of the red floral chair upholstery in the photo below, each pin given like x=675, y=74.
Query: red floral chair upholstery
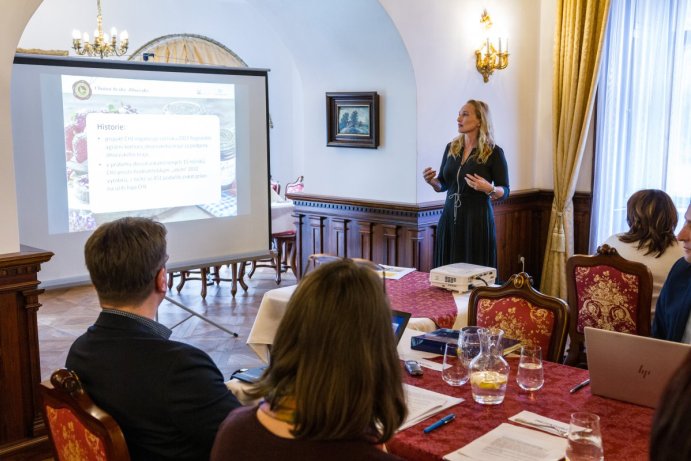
x=78, y=429
x=523, y=313
x=609, y=292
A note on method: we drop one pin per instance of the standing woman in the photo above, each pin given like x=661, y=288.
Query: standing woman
x=473, y=172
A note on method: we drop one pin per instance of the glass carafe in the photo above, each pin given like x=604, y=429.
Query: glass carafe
x=489, y=372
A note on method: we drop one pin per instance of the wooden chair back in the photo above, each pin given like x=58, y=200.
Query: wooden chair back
x=606, y=291
x=77, y=428
x=523, y=313
x=297, y=186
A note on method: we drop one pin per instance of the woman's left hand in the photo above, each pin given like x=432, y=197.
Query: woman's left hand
x=478, y=183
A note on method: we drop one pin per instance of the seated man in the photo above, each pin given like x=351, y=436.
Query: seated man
x=672, y=320
x=169, y=398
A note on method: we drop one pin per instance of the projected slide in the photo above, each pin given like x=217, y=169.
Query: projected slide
x=160, y=149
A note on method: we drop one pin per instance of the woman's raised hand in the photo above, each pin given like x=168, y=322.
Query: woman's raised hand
x=429, y=174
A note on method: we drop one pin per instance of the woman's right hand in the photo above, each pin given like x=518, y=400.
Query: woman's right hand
x=429, y=174
x=430, y=177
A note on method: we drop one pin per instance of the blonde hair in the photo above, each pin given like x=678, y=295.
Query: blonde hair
x=485, y=139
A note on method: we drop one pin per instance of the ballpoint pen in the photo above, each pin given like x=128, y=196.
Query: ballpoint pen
x=579, y=386
x=445, y=420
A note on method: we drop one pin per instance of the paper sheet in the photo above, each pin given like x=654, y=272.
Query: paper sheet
x=512, y=443
x=395, y=272
x=541, y=423
x=423, y=403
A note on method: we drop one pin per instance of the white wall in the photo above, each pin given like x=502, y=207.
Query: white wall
x=441, y=36
x=14, y=17
x=418, y=55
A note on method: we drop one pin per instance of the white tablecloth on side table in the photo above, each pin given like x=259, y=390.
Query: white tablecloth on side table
x=282, y=216
x=274, y=303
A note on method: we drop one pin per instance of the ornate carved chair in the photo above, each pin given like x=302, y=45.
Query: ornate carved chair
x=77, y=428
x=609, y=292
x=523, y=313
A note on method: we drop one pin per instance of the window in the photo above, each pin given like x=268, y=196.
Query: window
x=644, y=102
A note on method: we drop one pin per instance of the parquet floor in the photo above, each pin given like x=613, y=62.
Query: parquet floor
x=66, y=313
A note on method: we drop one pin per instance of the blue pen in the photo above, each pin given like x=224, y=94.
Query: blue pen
x=445, y=420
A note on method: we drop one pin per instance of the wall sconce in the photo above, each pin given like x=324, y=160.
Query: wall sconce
x=487, y=58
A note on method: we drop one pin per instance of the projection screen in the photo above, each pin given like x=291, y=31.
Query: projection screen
x=98, y=140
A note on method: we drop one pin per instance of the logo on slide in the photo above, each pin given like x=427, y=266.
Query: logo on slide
x=81, y=89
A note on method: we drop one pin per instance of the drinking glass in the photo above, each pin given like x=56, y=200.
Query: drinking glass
x=454, y=371
x=530, y=376
x=469, y=341
x=584, y=441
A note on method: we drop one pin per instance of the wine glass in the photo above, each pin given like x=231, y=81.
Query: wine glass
x=584, y=440
x=530, y=376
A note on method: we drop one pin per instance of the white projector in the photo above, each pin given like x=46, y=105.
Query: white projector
x=459, y=276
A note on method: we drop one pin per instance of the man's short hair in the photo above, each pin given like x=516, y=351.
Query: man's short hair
x=123, y=258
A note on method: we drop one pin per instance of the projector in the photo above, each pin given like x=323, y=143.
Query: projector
x=459, y=276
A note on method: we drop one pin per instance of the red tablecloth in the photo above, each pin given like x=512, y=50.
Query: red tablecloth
x=413, y=293
x=625, y=427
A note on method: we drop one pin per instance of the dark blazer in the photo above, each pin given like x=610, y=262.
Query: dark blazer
x=674, y=304
x=168, y=397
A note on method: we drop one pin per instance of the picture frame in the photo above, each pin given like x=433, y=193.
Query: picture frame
x=352, y=119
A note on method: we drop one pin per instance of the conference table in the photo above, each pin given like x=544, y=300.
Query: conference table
x=625, y=427
x=430, y=308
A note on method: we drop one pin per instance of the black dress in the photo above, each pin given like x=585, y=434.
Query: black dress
x=465, y=233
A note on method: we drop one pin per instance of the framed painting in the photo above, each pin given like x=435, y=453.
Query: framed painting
x=352, y=119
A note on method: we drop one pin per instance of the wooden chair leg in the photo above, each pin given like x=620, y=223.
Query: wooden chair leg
x=254, y=268
x=183, y=279
x=203, y=273
x=278, y=259
x=292, y=258
x=241, y=276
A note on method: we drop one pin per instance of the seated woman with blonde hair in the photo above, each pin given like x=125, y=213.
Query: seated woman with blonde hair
x=652, y=218
x=333, y=389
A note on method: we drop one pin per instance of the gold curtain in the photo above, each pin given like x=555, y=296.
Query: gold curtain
x=579, y=35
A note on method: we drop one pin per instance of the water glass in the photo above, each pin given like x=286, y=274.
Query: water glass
x=454, y=370
x=469, y=341
x=530, y=376
x=584, y=441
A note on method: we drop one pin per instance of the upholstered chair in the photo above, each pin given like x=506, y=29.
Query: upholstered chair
x=78, y=429
x=609, y=292
x=523, y=313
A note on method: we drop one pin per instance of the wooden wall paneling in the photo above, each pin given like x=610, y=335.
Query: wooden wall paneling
x=390, y=234
x=404, y=235
x=413, y=241
x=316, y=234
x=365, y=240
x=22, y=432
x=339, y=237
x=582, y=209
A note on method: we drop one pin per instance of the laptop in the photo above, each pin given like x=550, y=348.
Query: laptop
x=399, y=320
x=631, y=368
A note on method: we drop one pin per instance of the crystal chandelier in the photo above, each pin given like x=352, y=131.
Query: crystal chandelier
x=103, y=45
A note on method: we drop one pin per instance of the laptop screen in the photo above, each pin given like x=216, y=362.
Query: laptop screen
x=399, y=320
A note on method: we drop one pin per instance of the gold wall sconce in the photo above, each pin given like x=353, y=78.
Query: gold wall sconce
x=487, y=57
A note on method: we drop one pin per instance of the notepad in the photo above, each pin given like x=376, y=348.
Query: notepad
x=423, y=403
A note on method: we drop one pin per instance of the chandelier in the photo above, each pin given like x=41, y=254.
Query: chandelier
x=103, y=45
